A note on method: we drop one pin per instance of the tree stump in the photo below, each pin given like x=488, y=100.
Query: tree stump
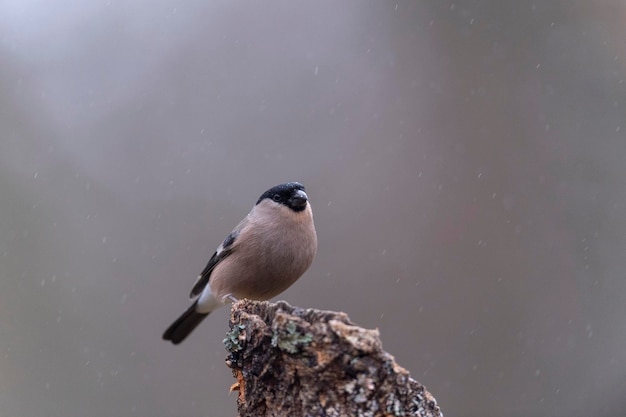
x=294, y=362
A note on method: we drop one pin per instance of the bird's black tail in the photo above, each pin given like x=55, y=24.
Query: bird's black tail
x=184, y=325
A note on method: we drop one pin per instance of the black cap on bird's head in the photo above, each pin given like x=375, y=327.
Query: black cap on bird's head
x=291, y=194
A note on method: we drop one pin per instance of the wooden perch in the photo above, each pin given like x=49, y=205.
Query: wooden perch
x=294, y=363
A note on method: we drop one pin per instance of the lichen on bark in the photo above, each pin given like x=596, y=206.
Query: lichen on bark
x=295, y=362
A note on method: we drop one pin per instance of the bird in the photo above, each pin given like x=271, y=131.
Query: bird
x=263, y=256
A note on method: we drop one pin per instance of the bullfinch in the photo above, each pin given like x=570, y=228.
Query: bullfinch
x=262, y=257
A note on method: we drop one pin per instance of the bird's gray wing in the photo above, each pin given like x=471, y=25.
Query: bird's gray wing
x=222, y=252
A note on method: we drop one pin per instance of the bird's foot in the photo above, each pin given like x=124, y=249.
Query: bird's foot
x=230, y=297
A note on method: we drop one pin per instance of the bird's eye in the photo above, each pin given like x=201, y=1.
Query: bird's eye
x=276, y=197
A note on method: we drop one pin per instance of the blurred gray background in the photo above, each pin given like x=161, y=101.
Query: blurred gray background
x=465, y=161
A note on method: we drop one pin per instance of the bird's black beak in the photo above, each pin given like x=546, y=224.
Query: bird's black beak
x=298, y=199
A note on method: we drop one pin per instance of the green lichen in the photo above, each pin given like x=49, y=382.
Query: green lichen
x=233, y=338
x=290, y=338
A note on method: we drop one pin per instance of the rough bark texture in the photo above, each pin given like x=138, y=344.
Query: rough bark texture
x=294, y=362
